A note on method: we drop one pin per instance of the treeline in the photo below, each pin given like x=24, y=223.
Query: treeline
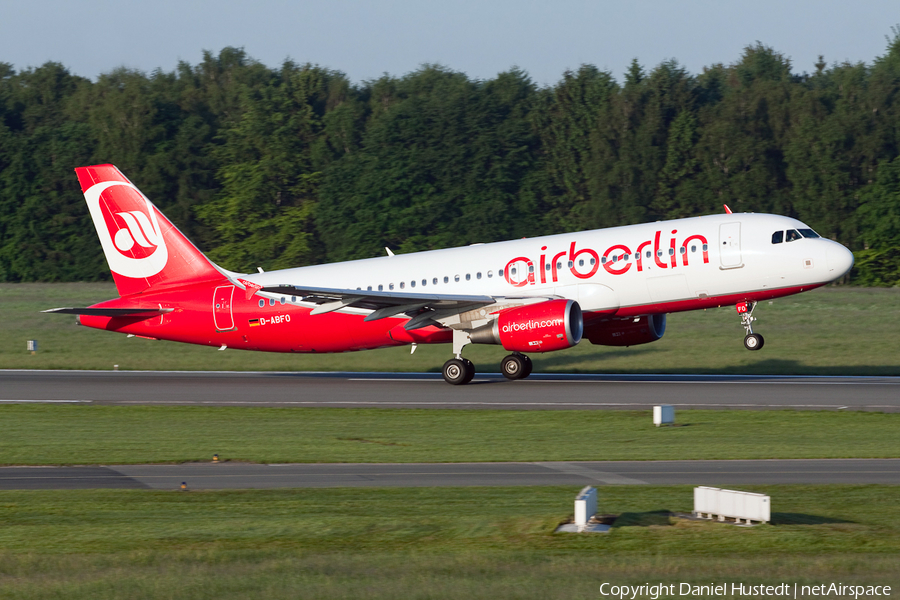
x=297, y=165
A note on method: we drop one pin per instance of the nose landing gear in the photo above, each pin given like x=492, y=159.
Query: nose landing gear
x=752, y=341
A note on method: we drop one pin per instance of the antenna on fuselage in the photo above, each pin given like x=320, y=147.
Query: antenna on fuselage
x=727, y=210
x=389, y=251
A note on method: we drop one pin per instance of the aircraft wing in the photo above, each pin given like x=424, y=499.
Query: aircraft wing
x=425, y=309
x=111, y=312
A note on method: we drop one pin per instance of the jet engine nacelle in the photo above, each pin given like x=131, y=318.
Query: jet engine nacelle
x=541, y=327
x=627, y=332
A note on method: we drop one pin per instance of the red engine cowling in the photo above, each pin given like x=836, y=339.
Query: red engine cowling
x=627, y=332
x=542, y=327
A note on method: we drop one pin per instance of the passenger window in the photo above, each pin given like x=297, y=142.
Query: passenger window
x=593, y=261
x=693, y=248
x=602, y=260
x=424, y=282
x=478, y=275
x=671, y=251
x=456, y=278
x=490, y=274
x=581, y=263
x=615, y=258
x=793, y=235
x=468, y=276
x=512, y=271
x=412, y=283
x=530, y=269
x=808, y=233
x=547, y=267
x=369, y=289
x=777, y=237
x=381, y=288
x=390, y=286
x=293, y=298
x=705, y=247
x=271, y=301
x=262, y=303
x=500, y=273
x=648, y=254
x=571, y=264
x=558, y=266
x=402, y=285
x=682, y=250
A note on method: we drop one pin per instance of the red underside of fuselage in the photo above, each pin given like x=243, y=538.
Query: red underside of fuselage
x=290, y=328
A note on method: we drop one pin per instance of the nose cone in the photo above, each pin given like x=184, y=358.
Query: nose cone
x=839, y=259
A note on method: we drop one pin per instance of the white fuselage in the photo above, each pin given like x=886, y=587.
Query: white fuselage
x=632, y=267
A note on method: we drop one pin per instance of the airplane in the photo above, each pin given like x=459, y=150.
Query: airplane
x=611, y=286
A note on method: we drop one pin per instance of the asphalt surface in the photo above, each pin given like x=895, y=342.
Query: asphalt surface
x=255, y=476
x=428, y=390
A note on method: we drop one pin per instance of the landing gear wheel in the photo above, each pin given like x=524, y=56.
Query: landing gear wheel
x=458, y=371
x=754, y=341
x=515, y=366
x=470, y=370
x=528, y=366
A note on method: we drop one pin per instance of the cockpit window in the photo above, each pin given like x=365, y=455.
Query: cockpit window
x=777, y=237
x=793, y=234
x=808, y=233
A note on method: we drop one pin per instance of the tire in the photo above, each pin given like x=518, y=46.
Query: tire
x=513, y=367
x=470, y=370
x=754, y=342
x=457, y=372
x=528, y=367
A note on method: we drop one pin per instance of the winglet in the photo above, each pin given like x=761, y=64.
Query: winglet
x=727, y=210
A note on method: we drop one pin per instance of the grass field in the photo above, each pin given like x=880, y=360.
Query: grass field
x=833, y=330
x=82, y=434
x=427, y=543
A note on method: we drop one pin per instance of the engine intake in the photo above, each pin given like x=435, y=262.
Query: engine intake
x=542, y=327
x=629, y=332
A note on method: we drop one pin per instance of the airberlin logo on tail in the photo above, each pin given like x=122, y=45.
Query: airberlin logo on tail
x=139, y=231
x=128, y=229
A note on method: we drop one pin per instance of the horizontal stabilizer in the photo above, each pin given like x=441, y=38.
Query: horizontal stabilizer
x=111, y=312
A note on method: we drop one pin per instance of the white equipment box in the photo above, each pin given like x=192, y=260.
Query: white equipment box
x=731, y=504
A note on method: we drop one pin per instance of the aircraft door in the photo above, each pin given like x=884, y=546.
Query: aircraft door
x=222, y=309
x=730, y=245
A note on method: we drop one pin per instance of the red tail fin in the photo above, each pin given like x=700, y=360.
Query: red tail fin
x=144, y=250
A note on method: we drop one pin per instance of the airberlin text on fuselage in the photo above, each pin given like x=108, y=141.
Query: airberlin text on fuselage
x=616, y=260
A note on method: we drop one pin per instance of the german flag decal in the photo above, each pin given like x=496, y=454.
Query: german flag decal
x=254, y=322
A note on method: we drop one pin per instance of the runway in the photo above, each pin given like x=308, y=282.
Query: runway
x=541, y=391
x=211, y=476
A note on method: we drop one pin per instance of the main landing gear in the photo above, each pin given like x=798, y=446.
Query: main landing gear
x=516, y=366
x=460, y=371
x=752, y=341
